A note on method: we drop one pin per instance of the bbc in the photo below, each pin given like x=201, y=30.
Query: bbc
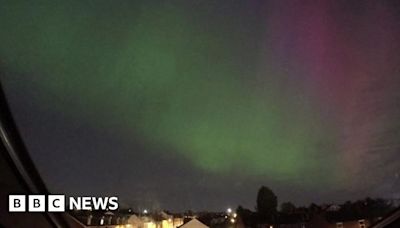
x=36, y=203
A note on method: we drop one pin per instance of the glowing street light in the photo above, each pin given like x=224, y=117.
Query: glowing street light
x=229, y=210
x=145, y=211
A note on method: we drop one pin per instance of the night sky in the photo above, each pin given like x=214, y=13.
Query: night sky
x=196, y=104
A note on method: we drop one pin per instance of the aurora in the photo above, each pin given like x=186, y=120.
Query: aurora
x=282, y=92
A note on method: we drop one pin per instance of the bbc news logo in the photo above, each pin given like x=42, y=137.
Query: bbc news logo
x=59, y=203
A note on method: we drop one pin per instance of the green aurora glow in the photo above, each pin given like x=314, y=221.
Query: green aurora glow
x=163, y=74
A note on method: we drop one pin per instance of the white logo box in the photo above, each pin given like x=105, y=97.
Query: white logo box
x=36, y=203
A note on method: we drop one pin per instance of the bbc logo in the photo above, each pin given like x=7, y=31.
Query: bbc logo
x=57, y=203
x=36, y=203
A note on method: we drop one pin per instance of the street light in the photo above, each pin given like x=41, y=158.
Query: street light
x=229, y=210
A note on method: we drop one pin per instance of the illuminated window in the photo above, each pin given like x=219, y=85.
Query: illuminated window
x=361, y=223
x=339, y=225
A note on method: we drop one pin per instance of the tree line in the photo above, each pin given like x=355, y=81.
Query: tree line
x=266, y=210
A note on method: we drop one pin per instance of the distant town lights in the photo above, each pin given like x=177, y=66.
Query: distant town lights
x=229, y=210
x=232, y=220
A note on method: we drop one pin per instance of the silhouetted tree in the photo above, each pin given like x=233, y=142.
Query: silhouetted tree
x=361, y=209
x=248, y=217
x=267, y=203
x=313, y=208
x=288, y=207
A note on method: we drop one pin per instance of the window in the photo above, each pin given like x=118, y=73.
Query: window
x=339, y=225
x=361, y=223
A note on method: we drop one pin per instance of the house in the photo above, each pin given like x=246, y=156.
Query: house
x=321, y=221
x=332, y=207
x=194, y=223
x=154, y=220
x=361, y=223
